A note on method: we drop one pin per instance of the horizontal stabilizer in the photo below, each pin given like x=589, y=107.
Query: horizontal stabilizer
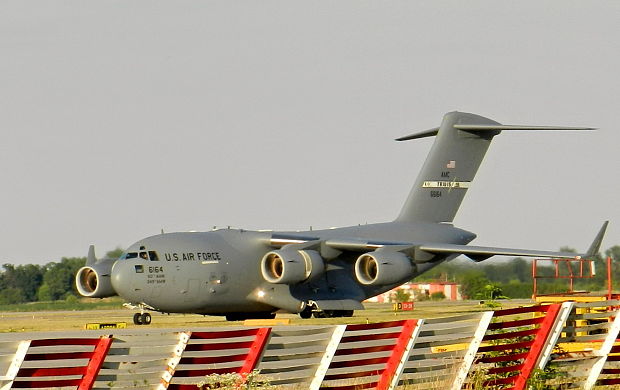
x=434, y=131
x=516, y=127
x=422, y=134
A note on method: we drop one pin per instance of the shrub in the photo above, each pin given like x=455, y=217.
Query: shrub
x=438, y=296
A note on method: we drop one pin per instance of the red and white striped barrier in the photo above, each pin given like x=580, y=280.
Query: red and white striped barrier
x=501, y=349
x=54, y=363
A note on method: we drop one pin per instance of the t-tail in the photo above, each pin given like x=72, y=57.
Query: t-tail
x=461, y=142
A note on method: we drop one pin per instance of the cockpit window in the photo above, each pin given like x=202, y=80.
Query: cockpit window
x=150, y=255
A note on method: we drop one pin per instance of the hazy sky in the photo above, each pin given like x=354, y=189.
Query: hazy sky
x=120, y=118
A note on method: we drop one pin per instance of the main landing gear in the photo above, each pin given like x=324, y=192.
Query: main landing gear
x=267, y=315
x=311, y=310
x=332, y=313
x=142, y=319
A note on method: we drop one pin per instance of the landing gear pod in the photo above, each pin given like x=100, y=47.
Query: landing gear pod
x=382, y=267
x=291, y=266
x=93, y=281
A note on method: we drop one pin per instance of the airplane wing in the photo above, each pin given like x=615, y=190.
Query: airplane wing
x=479, y=253
x=424, y=252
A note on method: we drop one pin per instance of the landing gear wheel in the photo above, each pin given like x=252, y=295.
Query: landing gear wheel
x=233, y=317
x=146, y=318
x=331, y=313
x=261, y=315
x=142, y=319
x=306, y=312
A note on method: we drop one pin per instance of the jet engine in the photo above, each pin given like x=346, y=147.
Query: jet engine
x=93, y=281
x=382, y=267
x=291, y=266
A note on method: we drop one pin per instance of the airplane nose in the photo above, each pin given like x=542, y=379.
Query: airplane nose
x=122, y=276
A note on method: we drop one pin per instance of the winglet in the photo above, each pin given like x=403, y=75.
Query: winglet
x=596, y=244
x=91, y=259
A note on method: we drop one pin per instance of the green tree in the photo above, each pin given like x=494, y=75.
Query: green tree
x=614, y=253
x=521, y=269
x=115, y=253
x=26, y=278
x=11, y=295
x=59, y=277
x=517, y=289
x=44, y=293
x=473, y=283
x=438, y=296
x=493, y=291
x=568, y=249
x=401, y=296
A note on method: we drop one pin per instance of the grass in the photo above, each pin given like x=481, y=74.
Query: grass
x=52, y=316
x=82, y=304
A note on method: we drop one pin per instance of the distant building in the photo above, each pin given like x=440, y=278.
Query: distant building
x=421, y=291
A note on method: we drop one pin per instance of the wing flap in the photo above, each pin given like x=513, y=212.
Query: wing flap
x=355, y=245
x=479, y=253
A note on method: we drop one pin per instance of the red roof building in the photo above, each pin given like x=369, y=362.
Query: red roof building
x=420, y=291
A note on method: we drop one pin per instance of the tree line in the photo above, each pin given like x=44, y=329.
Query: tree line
x=50, y=282
x=491, y=279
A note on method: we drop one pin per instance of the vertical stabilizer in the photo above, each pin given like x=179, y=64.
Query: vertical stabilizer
x=460, y=145
x=449, y=168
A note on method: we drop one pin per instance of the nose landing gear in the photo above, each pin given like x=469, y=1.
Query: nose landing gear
x=142, y=319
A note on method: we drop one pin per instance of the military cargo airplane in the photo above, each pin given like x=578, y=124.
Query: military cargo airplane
x=245, y=274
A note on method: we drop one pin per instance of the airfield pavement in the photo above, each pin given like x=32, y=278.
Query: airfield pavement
x=43, y=321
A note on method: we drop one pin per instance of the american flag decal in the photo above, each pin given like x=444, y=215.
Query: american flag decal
x=451, y=164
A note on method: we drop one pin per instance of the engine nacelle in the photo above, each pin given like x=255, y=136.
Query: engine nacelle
x=382, y=267
x=291, y=266
x=93, y=281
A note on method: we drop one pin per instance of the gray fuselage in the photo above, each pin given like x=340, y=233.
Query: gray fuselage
x=217, y=272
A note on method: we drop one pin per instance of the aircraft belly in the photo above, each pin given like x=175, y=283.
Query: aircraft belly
x=337, y=283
